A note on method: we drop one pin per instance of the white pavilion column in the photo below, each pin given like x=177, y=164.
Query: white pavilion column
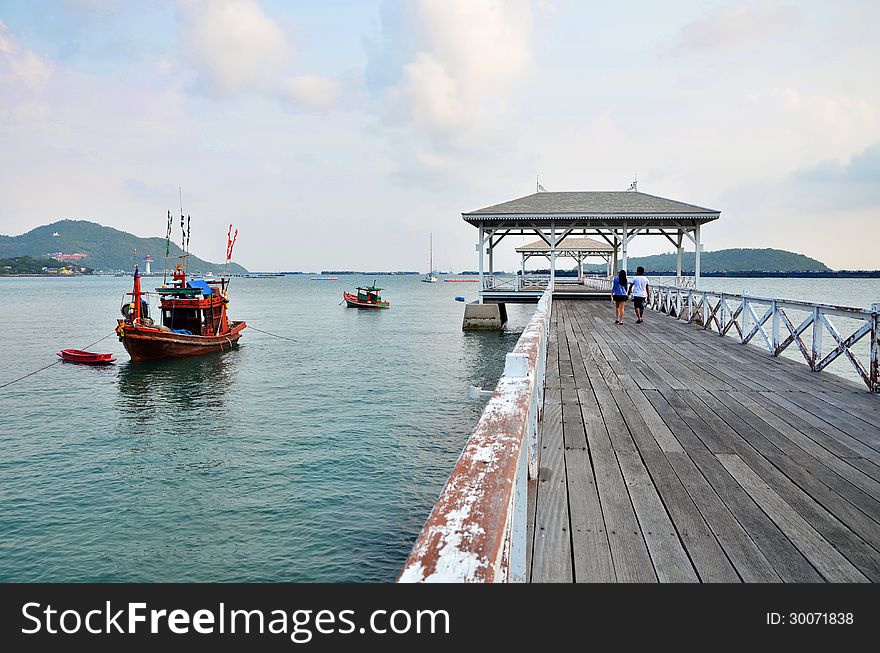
x=581, y=269
x=552, y=256
x=480, y=246
x=625, y=243
x=678, y=254
x=614, y=256
x=697, y=257
x=523, y=266
x=491, y=254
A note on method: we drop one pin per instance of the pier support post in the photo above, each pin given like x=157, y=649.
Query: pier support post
x=625, y=244
x=614, y=268
x=697, y=257
x=552, y=257
x=484, y=317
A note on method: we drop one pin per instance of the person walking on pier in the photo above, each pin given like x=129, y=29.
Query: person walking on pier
x=619, y=296
x=641, y=293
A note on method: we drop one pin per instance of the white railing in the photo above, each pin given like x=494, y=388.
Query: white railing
x=599, y=283
x=515, y=284
x=477, y=529
x=685, y=282
x=749, y=316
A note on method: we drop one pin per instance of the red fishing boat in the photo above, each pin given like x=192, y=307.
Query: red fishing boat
x=365, y=298
x=192, y=318
x=86, y=357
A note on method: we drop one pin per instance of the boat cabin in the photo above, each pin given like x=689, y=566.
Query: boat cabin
x=369, y=295
x=198, y=309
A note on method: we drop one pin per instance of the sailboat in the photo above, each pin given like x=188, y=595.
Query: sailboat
x=430, y=277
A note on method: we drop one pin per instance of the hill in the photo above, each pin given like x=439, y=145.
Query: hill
x=727, y=260
x=106, y=248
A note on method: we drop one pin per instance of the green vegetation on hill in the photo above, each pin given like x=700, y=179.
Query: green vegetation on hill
x=107, y=248
x=727, y=260
x=30, y=265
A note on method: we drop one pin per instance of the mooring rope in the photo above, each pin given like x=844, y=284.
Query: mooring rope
x=53, y=363
x=274, y=335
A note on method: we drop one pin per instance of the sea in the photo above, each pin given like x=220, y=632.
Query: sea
x=314, y=456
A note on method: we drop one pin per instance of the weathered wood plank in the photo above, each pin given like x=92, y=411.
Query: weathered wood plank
x=751, y=565
x=632, y=563
x=830, y=563
x=785, y=558
x=551, y=562
x=590, y=548
x=682, y=455
x=671, y=562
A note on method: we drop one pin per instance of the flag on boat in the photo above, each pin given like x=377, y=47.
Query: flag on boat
x=230, y=242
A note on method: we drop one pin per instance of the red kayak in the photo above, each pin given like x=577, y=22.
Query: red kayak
x=88, y=357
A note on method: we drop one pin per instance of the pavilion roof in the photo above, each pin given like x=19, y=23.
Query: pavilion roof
x=593, y=207
x=568, y=244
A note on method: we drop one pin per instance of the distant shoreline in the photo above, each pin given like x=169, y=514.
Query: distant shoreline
x=751, y=274
x=747, y=274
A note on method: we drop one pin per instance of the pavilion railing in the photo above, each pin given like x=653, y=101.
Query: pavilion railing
x=516, y=284
x=685, y=282
x=477, y=529
x=599, y=283
x=780, y=323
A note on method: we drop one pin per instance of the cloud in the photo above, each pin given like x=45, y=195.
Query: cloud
x=314, y=92
x=20, y=64
x=862, y=168
x=835, y=184
x=445, y=72
x=232, y=44
x=733, y=27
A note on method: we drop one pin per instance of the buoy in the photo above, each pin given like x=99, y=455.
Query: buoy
x=459, y=298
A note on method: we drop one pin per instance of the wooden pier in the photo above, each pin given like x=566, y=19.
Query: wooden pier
x=677, y=450
x=669, y=454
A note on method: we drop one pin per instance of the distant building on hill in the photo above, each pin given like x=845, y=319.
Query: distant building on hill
x=67, y=258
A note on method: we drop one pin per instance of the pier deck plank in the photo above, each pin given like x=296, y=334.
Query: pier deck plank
x=669, y=453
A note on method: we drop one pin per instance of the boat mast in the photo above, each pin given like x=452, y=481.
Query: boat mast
x=184, y=236
x=430, y=254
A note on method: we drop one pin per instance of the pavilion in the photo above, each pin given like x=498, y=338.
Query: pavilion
x=615, y=217
x=570, y=247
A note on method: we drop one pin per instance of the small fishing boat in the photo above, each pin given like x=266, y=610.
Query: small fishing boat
x=85, y=357
x=192, y=317
x=365, y=298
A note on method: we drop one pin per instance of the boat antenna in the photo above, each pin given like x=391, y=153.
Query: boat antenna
x=167, y=247
x=183, y=236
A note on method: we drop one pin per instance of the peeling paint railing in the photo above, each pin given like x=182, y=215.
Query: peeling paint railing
x=477, y=529
x=750, y=316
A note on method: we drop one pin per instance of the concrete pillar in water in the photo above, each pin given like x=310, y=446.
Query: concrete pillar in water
x=484, y=317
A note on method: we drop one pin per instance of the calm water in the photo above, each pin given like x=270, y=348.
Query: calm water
x=281, y=461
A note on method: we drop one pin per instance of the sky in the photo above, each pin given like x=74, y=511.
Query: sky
x=338, y=135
